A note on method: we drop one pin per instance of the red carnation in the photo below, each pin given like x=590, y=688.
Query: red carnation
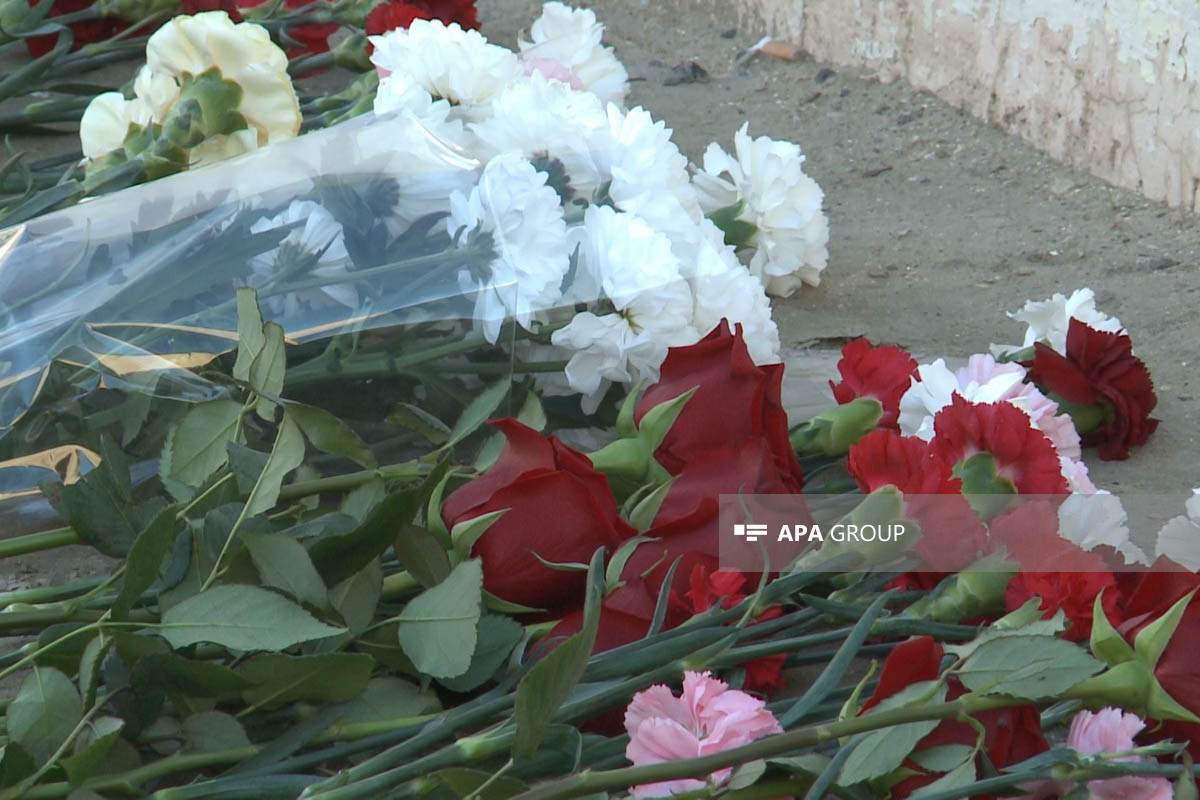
x=1100, y=369
x=735, y=399
x=952, y=535
x=393, y=16
x=1024, y=455
x=883, y=372
x=85, y=32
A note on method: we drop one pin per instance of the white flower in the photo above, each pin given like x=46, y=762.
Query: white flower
x=782, y=202
x=319, y=236
x=723, y=289
x=571, y=37
x=1076, y=473
x=542, y=118
x=1179, y=539
x=157, y=90
x=1092, y=520
x=634, y=269
x=983, y=380
x=1048, y=320
x=448, y=62
x=244, y=54
x=525, y=219
x=648, y=173
x=106, y=121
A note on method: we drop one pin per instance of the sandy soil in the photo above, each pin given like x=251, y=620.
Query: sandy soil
x=940, y=223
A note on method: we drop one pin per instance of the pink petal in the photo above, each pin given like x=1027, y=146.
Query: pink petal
x=657, y=701
x=659, y=740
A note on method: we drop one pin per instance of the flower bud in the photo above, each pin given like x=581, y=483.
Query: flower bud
x=976, y=591
x=351, y=53
x=833, y=431
x=738, y=232
x=135, y=10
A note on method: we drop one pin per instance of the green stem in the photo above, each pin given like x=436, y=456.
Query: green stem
x=332, y=367
x=49, y=594
x=33, y=542
x=809, y=736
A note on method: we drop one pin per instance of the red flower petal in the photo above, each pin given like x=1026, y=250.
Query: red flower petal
x=884, y=373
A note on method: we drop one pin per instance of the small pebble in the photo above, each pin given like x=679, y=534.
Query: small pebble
x=824, y=74
x=729, y=34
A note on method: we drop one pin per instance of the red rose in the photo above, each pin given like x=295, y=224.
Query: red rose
x=1100, y=369
x=559, y=508
x=884, y=373
x=1024, y=455
x=952, y=535
x=86, y=32
x=735, y=400
x=1011, y=734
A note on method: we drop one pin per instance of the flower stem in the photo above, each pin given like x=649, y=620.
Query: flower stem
x=34, y=542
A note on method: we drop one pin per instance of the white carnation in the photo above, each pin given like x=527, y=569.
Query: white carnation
x=448, y=62
x=781, y=201
x=571, y=37
x=1092, y=520
x=1179, y=539
x=106, y=121
x=1048, y=320
x=319, y=236
x=634, y=270
x=524, y=216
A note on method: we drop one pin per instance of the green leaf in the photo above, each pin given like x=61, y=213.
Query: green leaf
x=1040, y=627
x=357, y=597
x=92, y=747
x=286, y=455
x=89, y=667
x=490, y=452
x=532, y=413
x=1153, y=639
x=643, y=514
x=327, y=678
x=465, y=534
x=329, y=434
x=241, y=618
x=283, y=563
x=963, y=775
x=549, y=682
x=211, y=731
x=101, y=506
x=339, y=557
x=478, y=784
x=267, y=370
x=881, y=751
x=738, y=232
x=15, y=764
x=1107, y=644
x=1027, y=667
x=422, y=555
x=388, y=698
x=250, y=332
x=179, y=676
x=196, y=447
x=362, y=499
x=246, y=464
x=145, y=559
x=746, y=775
x=943, y=757
x=424, y=423
x=44, y=712
x=497, y=636
x=438, y=627
x=478, y=410
x=616, y=564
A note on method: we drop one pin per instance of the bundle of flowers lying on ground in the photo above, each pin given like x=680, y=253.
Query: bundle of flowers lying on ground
x=435, y=452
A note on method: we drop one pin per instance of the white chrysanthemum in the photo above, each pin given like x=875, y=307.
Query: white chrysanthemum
x=1048, y=320
x=245, y=55
x=634, y=268
x=571, y=37
x=448, y=62
x=723, y=289
x=983, y=380
x=1092, y=520
x=537, y=117
x=319, y=236
x=406, y=99
x=106, y=121
x=524, y=216
x=648, y=173
x=782, y=202
x=1179, y=539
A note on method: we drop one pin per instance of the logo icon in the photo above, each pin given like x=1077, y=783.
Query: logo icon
x=751, y=532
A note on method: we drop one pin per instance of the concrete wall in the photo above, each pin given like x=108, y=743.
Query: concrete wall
x=1108, y=85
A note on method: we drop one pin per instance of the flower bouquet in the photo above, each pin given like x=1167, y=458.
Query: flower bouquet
x=442, y=452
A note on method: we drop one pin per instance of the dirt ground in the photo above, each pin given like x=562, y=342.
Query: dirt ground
x=940, y=223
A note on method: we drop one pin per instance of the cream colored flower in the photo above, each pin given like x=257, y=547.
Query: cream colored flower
x=245, y=55
x=106, y=121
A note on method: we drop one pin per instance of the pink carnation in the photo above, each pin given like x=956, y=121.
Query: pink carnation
x=551, y=70
x=1109, y=730
x=709, y=717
